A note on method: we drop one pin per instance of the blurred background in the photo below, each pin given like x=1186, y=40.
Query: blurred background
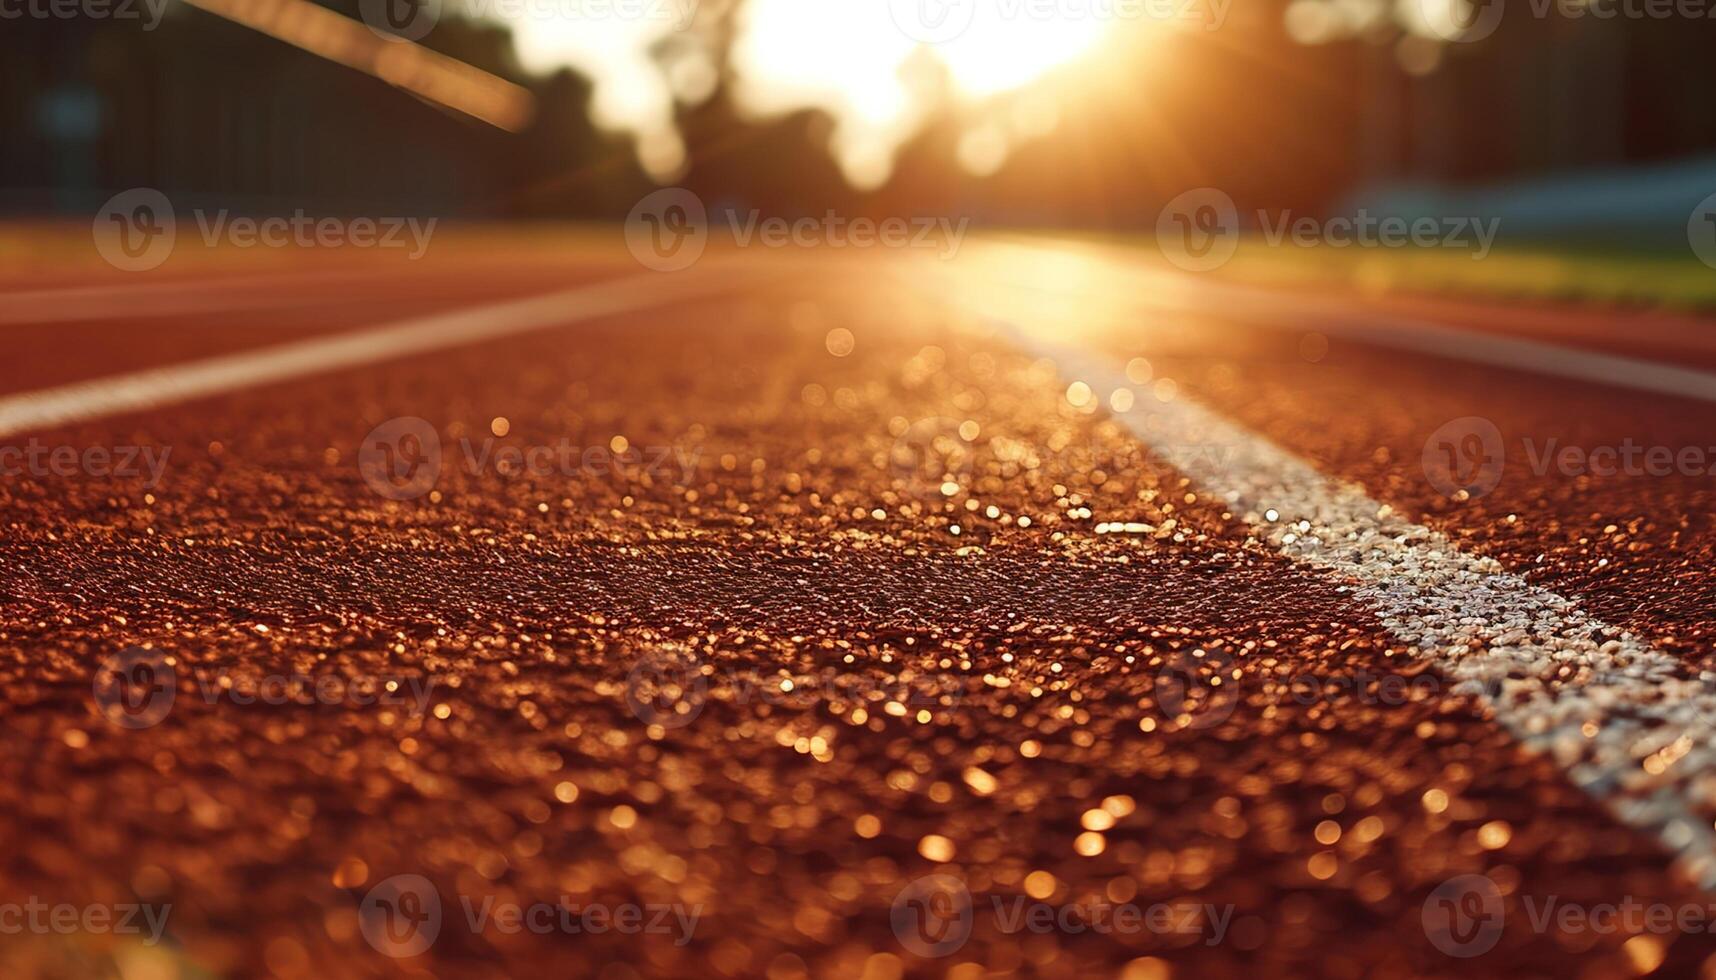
x=1584, y=131
x=1583, y=125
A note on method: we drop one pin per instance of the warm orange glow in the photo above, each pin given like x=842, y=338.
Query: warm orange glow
x=853, y=60
x=998, y=55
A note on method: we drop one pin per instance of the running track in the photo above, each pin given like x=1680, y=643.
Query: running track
x=1093, y=582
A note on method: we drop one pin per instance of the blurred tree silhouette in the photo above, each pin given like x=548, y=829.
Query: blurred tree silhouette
x=205, y=108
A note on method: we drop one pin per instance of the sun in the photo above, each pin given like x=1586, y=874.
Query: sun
x=1000, y=53
x=850, y=59
x=853, y=60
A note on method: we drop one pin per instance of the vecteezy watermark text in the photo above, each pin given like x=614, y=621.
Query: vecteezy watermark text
x=138, y=686
x=1464, y=458
x=1200, y=689
x=669, y=229
x=1465, y=916
x=37, y=917
x=676, y=14
x=137, y=230
x=565, y=916
x=1474, y=20
x=669, y=688
x=402, y=916
x=933, y=916
x=37, y=459
x=147, y=11
x=940, y=21
x=940, y=454
x=402, y=458
x=412, y=20
x=1200, y=230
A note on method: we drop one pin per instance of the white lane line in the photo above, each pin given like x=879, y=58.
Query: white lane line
x=155, y=387
x=1279, y=309
x=170, y=298
x=1274, y=308
x=1552, y=668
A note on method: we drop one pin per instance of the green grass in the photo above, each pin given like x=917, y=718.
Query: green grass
x=1573, y=272
x=1675, y=280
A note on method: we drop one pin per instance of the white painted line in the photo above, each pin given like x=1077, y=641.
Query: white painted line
x=155, y=387
x=1279, y=309
x=1275, y=308
x=1556, y=668
x=172, y=297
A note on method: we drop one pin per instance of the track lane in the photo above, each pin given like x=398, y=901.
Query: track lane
x=59, y=337
x=762, y=564
x=1632, y=546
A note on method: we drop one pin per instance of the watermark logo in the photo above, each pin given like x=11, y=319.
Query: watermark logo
x=667, y=230
x=403, y=458
x=1460, y=20
x=412, y=20
x=400, y=20
x=935, y=22
x=1464, y=21
x=1464, y=458
x=1115, y=919
x=1701, y=231
x=669, y=687
x=1199, y=230
x=135, y=688
x=666, y=687
x=1464, y=916
x=932, y=915
x=932, y=21
x=1200, y=692
x=934, y=454
x=1367, y=688
x=401, y=916
x=1630, y=917
x=138, y=686
x=135, y=230
x=676, y=14
x=400, y=459
x=678, y=922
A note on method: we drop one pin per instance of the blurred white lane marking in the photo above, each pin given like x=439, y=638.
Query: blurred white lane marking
x=1285, y=310
x=124, y=299
x=1653, y=752
x=171, y=298
x=1293, y=309
x=154, y=387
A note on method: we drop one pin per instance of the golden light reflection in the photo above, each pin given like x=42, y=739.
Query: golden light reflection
x=1033, y=286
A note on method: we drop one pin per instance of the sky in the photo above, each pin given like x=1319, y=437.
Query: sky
x=880, y=69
